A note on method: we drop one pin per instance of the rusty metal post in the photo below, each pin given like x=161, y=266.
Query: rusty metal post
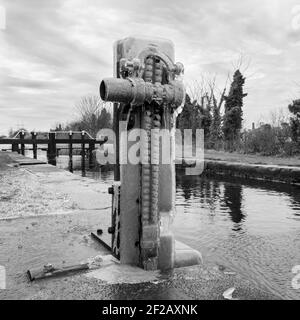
x=22, y=137
x=82, y=154
x=70, y=152
x=117, y=141
x=146, y=90
x=51, y=151
x=34, y=145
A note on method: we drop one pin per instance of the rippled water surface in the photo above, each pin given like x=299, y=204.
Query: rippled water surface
x=252, y=228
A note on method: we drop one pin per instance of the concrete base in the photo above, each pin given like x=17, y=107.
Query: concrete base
x=185, y=256
x=112, y=271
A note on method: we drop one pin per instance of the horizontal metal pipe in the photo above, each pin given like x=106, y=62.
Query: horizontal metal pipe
x=116, y=90
x=137, y=91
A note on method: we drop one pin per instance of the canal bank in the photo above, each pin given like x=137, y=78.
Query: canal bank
x=276, y=169
x=51, y=223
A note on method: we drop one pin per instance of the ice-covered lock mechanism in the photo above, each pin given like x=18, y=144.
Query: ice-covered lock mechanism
x=146, y=90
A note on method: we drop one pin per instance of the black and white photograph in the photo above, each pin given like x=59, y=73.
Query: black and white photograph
x=149, y=151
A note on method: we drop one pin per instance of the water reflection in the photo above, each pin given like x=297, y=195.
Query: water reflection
x=233, y=200
x=249, y=226
x=211, y=193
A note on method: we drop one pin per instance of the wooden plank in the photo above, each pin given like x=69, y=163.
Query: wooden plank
x=28, y=163
x=70, y=152
x=91, y=149
x=82, y=154
x=34, y=146
x=22, y=135
x=51, y=151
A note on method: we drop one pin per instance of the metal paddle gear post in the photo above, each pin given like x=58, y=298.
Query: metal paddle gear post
x=146, y=91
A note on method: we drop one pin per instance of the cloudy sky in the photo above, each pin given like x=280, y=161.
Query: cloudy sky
x=53, y=52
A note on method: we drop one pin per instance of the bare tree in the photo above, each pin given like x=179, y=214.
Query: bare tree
x=242, y=63
x=205, y=91
x=94, y=114
x=279, y=116
x=196, y=89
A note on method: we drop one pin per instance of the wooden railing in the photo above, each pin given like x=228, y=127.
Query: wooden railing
x=70, y=138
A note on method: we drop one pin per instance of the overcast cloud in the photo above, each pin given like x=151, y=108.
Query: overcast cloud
x=53, y=52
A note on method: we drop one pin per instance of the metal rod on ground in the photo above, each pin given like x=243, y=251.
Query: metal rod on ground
x=51, y=271
x=51, y=151
x=22, y=136
x=91, y=149
x=70, y=152
x=34, y=146
x=82, y=154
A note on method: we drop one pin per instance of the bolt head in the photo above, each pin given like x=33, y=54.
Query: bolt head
x=179, y=68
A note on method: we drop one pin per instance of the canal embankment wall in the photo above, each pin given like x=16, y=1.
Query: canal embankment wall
x=275, y=169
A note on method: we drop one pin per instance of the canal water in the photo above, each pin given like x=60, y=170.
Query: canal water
x=248, y=227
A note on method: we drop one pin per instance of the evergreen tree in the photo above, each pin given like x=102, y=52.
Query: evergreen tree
x=204, y=117
x=232, y=121
x=185, y=118
x=215, y=127
x=294, y=108
x=104, y=120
